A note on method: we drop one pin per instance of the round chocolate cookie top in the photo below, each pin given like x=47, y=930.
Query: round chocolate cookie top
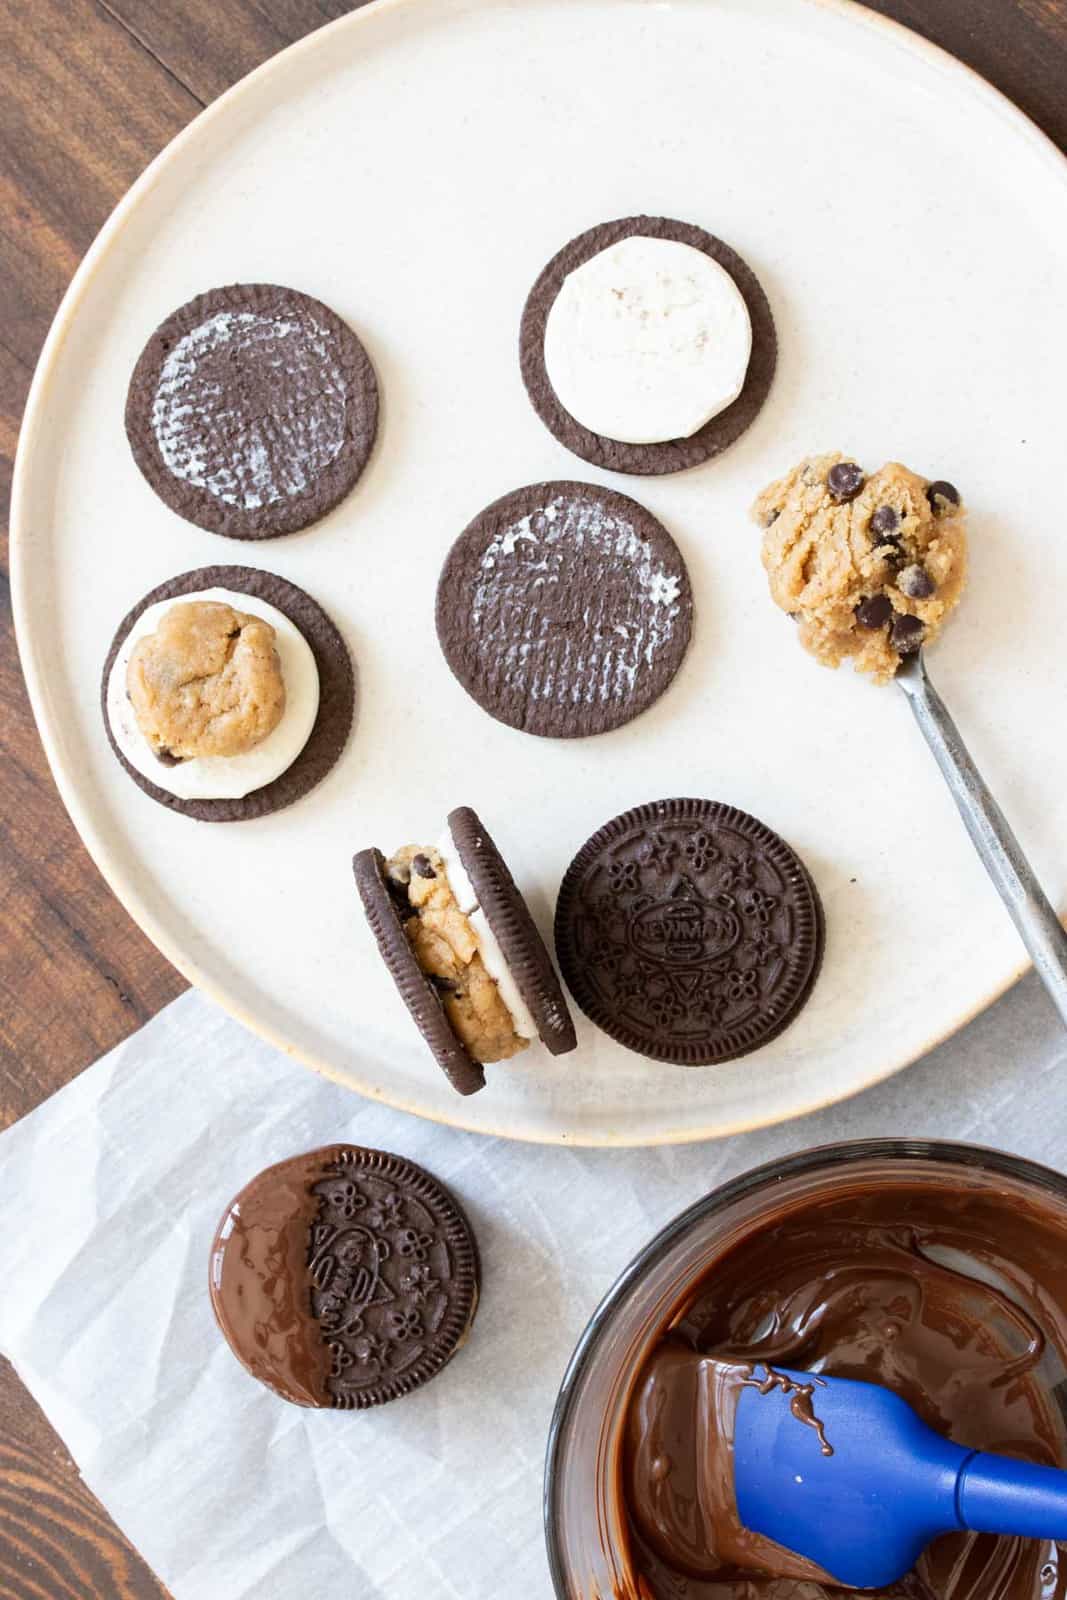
x=344, y=1278
x=386, y=916
x=514, y=929
x=337, y=692
x=675, y=454
x=689, y=931
x=564, y=609
x=252, y=410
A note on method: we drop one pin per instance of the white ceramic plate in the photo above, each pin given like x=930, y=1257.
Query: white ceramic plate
x=415, y=165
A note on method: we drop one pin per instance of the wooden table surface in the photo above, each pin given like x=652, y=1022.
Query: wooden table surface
x=90, y=90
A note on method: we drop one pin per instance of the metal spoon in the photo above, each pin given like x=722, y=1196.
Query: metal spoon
x=1028, y=906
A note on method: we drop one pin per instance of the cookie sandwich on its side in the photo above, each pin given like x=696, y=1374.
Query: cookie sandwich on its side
x=463, y=950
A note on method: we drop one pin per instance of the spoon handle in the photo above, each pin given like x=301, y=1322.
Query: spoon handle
x=1039, y=927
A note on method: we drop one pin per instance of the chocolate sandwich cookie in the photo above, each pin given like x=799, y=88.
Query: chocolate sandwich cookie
x=316, y=694
x=463, y=950
x=252, y=410
x=564, y=609
x=689, y=931
x=344, y=1278
x=669, y=455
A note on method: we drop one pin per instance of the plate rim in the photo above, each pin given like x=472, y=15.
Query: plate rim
x=120, y=884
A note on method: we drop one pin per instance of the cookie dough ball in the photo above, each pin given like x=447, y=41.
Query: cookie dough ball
x=869, y=567
x=207, y=682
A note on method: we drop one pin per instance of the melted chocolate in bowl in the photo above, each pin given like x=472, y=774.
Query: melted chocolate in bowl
x=936, y=1271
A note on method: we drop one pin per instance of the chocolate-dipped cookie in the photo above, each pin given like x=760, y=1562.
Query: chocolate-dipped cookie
x=463, y=950
x=625, y=305
x=689, y=931
x=564, y=609
x=197, y=658
x=252, y=410
x=344, y=1278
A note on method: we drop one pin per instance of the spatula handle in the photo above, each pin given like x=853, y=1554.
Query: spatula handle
x=998, y=1495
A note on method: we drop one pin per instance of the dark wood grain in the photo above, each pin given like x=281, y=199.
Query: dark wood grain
x=90, y=90
x=1020, y=45
x=56, y=1542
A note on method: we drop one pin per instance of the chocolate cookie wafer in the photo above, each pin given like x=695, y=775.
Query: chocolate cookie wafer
x=463, y=950
x=689, y=931
x=252, y=410
x=509, y=917
x=336, y=692
x=344, y=1278
x=387, y=915
x=564, y=609
x=673, y=455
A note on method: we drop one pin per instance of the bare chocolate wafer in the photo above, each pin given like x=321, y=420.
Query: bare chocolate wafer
x=337, y=692
x=344, y=1278
x=564, y=609
x=689, y=931
x=511, y=922
x=676, y=454
x=384, y=913
x=252, y=410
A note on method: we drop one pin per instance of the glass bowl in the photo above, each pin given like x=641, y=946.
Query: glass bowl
x=585, y=1521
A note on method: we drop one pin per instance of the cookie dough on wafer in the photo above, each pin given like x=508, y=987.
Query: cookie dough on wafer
x=227, y=693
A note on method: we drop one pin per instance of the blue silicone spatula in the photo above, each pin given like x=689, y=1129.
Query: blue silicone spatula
x=846, y=1475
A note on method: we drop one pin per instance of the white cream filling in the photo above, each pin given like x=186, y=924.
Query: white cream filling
x=222, y=777
x=647, y=341
x=493, y=958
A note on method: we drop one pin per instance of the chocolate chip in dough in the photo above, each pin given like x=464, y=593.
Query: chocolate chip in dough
x=420, y=865
x=884, y=525
x=875, y=611
x=916, y=583
x=942, y=496
x=844, y=481
x=906, y=635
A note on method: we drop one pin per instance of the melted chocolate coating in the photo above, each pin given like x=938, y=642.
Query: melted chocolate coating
x=958, y=1302
x=346, y=1277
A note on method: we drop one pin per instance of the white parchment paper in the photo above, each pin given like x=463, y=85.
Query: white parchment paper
x=110, y=1193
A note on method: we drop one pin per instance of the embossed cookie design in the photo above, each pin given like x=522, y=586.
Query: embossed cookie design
x=344, y=1278
x=689, y=931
